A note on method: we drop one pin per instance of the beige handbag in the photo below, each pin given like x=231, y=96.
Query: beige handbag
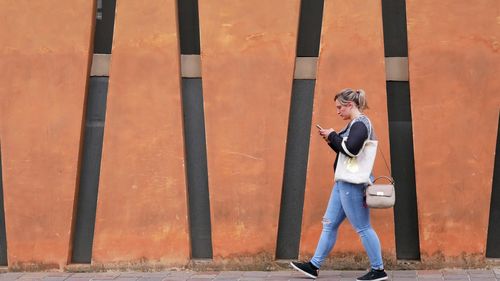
x=380, y=196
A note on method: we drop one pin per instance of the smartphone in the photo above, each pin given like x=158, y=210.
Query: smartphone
x=319, y=127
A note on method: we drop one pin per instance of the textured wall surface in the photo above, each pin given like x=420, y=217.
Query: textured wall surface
x=248, y=52
x=142, y=210
x=454, y=64
x=43, y=73
x=248, y=57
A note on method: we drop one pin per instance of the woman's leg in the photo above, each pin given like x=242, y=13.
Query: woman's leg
x=332, y=219
x=358, y=214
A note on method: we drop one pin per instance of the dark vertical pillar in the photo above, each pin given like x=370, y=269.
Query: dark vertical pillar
x=403, y=170
x=299, y=129
x=194, y=136
x=196, y=168
x=3, y=234
x=83, y=235
x=90, y=169
x=493, y=242
x=394, y=22
x=189, y=27
x=105, y=22
x=401, y=136
x=308, y=38
x=294, y=178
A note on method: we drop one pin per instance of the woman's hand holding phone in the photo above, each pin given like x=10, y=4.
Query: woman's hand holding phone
x=324, y=132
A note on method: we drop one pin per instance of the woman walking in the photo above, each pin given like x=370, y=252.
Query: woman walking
x=347, y=199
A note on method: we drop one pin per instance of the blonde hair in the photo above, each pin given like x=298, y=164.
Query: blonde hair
x=358, y=97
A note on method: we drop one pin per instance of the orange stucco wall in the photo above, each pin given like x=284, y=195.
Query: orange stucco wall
x=352, y=55
x=248, y=51
x=247, y=71
x=142, y=212
x=454, y=64
x=43, y=69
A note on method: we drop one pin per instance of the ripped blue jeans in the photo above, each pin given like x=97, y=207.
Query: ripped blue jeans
x=347, y=200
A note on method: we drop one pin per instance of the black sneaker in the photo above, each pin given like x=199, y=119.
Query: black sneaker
x=374, y=275
x=307, y=268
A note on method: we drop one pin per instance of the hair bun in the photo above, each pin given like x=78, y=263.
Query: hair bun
x=358, y=96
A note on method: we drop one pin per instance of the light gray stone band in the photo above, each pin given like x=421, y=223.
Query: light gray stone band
x=100, y=65
x=191, y=66
x=305, y=68
x=396, y=68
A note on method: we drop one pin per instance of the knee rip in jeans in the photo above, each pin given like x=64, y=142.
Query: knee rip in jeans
x=326, y=221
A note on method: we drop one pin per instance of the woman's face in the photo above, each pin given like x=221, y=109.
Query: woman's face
x=344, y=111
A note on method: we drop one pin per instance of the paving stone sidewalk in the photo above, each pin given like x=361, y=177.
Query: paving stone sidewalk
x=333, y=275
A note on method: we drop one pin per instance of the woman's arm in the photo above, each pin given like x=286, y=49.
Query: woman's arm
x=357, y=136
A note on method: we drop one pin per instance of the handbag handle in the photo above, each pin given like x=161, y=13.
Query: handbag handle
x=391, y=180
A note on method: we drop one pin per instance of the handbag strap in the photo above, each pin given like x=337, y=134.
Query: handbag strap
x=385, y=161
x=369, y=135
x=370, y=129
x=390, y=179
x=344, y=139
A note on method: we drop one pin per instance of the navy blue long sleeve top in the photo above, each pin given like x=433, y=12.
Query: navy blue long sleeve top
x=358, y=134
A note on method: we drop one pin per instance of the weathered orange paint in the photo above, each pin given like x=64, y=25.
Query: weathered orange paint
x=454, y=60
x=248, y=56
x=248, y=53
x=43, y=72
x=351, y=56
x=142, y=208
